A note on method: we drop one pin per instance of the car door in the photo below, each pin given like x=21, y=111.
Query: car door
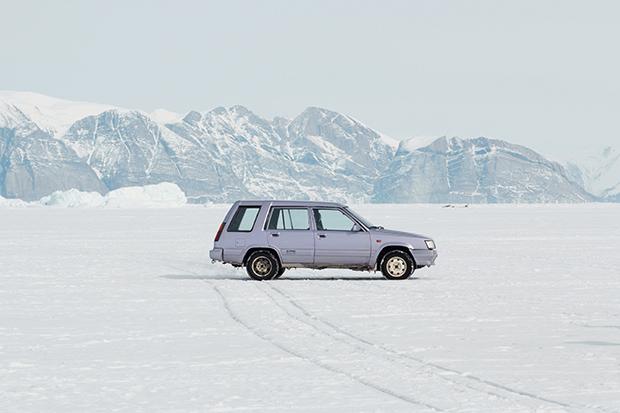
x=288, y=231
x=336, y=241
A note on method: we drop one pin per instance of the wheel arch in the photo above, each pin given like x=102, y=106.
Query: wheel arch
x=389, y=248
x=251, y=250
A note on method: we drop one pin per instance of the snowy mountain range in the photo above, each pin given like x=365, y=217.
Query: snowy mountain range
x=49, y=144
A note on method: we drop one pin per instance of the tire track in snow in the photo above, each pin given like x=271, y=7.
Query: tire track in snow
x=398, y=361
x=422, y=362
x=235, y=317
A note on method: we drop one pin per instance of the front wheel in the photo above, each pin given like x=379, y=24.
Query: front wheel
x=397, y=265
x=262, y=265
x=279, y=274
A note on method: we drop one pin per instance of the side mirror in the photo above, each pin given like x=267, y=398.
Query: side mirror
x=356, y=228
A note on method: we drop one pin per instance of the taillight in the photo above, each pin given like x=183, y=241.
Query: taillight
x=219, y=232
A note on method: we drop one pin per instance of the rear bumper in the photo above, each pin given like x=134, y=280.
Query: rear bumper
x=216, y=254
x=424, y=257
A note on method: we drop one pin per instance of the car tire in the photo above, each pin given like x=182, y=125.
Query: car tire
x=279, y=274
x=262, y=265
x=397, y=265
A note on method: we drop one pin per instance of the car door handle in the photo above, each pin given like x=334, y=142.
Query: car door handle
x=322, y=235
x=275, y=235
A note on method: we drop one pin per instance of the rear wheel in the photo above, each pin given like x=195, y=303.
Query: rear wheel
x=397, y=265
x=262, y=265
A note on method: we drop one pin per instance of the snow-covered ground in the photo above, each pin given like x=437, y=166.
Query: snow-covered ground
x=104, y=310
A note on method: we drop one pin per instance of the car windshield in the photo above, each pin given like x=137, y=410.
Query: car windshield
x=361, y=219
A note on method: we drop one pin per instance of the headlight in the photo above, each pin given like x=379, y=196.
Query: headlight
x=430, y=244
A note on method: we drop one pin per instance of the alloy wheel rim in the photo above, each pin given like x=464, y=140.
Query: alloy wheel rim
x=261, y=266
x=396, y=266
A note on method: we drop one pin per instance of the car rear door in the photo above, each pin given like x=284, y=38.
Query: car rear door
x=335, y=241
x=288, y=231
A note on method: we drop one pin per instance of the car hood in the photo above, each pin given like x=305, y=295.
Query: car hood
x=398, y=233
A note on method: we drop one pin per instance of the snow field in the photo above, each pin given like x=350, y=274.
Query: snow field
x=120, y=309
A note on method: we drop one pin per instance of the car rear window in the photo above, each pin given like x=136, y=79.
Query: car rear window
x=244, y=219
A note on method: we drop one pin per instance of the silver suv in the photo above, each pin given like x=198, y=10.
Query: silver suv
x=269, y=236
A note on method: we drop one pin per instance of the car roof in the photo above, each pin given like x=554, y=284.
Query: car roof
x=289, y=203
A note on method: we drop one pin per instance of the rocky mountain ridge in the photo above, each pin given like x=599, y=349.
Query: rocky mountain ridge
x=231, y=153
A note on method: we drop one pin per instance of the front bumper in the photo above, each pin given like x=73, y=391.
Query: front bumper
x=216, y=254
x=424, y=258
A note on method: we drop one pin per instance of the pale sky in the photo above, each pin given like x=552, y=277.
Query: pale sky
x=540, y=73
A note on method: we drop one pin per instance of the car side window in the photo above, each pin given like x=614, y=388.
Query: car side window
x=244, y=219
x=332, y=220
x=289, y=218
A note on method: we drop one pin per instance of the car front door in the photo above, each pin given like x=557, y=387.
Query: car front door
x=288, y=231
x=338, y=239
